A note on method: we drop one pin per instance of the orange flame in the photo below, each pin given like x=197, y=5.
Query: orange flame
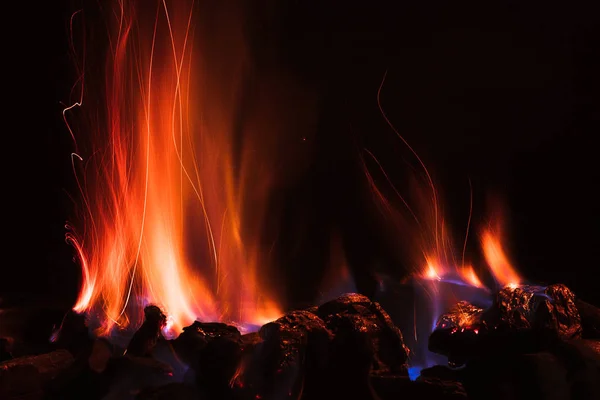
x=433, y=246
x=175, y=198
x=496, y=259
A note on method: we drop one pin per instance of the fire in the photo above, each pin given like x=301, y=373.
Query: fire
x=174, y=189
x=501, y=268
x=442, y=273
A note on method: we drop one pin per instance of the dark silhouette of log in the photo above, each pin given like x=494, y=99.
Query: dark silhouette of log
x=29, y=375
x=590, y=319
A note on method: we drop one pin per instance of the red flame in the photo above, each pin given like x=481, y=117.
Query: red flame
x=173, y=198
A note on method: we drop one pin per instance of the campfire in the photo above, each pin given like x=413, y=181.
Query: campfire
x=177, y=297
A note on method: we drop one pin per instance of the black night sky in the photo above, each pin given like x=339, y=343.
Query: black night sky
x=506, y=94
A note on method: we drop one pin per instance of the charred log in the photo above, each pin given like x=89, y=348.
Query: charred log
x=590, y=319
x=149, y=334
x=457, y=333
x=522, y=319
x=29, y=375
x=349, y=370
x=548, y=309
x=5, y=353
x=213, y=351
x=172, y=391
x=73, y=334
x=357, y=312
x=128, y=375
x=290, y=346
x=400, y=387
x=85, y=375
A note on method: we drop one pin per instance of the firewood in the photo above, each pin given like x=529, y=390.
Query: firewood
x=590, y=319
x=28, y=375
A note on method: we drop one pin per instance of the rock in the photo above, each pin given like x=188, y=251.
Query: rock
x=357, y=312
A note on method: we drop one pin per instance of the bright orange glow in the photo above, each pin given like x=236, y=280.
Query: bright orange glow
x=469, y=276
x=424, y=230
x=500, y=266
x=174, y=187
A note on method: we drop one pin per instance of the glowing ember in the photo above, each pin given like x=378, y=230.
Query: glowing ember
x=171, y=192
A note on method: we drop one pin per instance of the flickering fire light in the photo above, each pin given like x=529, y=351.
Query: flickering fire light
x=173, y=199
x=442, y=274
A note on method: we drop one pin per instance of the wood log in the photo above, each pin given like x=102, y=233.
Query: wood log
x=27, y=376
x=590, y=319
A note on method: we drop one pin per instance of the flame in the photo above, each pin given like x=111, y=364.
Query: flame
x=173, y=197
x=498, y=262
x=468, y=275
x=441, y=271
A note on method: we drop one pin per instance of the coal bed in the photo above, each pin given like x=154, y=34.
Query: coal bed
x=531, y=343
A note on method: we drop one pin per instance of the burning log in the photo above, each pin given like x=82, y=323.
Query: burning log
x=549, y=309
x=359, y=313
x=521, y=319
x=29, y=375
x=457, y=333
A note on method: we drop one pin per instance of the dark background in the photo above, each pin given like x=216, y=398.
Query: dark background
x=505, y=94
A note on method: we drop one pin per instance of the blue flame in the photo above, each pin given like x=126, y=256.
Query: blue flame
x=414, y=373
